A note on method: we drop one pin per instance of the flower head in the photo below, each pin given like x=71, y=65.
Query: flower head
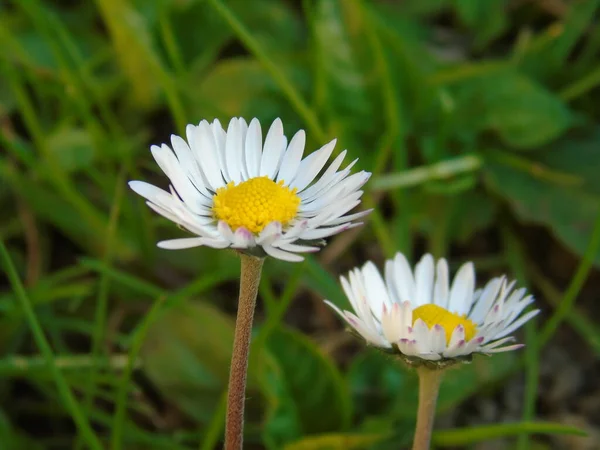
x=231, y=190
x=424, y=318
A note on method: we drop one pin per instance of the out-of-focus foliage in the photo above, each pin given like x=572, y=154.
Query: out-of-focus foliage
x=476, y=117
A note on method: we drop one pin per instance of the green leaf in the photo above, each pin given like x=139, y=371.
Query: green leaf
x=242, y=87
x=201, y=33
x=568, y=209
x=322, y=282
x=466, y=436
x=383, y=386
x=340, y=81
x=316, y=397
x=522, y=112
x=468, y=379
x=377, y=382
x=548, y=54
x=132, y=44
x=72, y=148
x=487, y=19
x=187, y=355
x=341, y=441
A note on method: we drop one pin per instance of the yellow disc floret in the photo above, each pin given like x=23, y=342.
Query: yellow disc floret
x=436, y=315
x=254, y=203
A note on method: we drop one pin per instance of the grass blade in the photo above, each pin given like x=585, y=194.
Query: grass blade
x=66, y=395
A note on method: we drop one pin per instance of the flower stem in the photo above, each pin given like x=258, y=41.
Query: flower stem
x=429, y=387
x=236, y=396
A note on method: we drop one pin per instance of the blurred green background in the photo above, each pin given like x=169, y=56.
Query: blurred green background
x=479, y=119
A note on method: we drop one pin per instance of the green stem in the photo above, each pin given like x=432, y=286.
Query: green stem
x=429, y=387
x=249, y=281
x=64, y=391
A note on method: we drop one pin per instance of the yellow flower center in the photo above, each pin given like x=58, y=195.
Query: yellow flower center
x=436, y=315
x=254, y=203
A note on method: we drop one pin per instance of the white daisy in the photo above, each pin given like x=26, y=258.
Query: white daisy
x=230, y=190
x=423, y=317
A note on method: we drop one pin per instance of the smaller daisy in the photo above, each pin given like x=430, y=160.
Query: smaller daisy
x=231, y=189
x=425, y=318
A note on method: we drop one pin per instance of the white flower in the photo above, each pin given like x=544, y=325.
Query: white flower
x=230, y=190
x=423, y=317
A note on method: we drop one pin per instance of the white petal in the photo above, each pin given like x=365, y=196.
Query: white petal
x=273, y=150
x=269, y=234
x=203, y=145
x=321, y=233
x=178, y=244
x=325, y=179
x=244, y=133
x=225, y=230
x=424, y=281
x=219, y=136
x=291, y=158
x=473, y=345
x=188, y=163
x=375, y=288
x=391, y=323
x=517, y=323
x=233, y=151
x=457, y=336
x=148, y=191
x=486, y=299
x=438, y=339
x=349, y=218
x=360, y=327
x=498, y=343
x=505, y=349
x=441, y=289
x=297, y=248
x=461, y=294
x=408, y=347
x=184, y=187
x=403, y=278
x=422, y=336
x=347, y=187
x=311, y=166
x=253, y=148
x=242, y=238
x=280, y=254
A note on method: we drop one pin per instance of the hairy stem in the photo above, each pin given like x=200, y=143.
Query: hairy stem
x=429, y=387
x=249, y=280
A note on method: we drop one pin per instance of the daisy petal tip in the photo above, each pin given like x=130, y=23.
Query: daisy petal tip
x=133, y=184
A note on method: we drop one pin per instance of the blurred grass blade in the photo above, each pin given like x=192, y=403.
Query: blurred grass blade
x=133, y=45
x=37, y=365
x=288, y=89
x=581, y=275
x=121, y=400
x=418, y=175
x=466, y=436
x=65, y=392
x=341, y=441
x=131, y=42
x=580, y=16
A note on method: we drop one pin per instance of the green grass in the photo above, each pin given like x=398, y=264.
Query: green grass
x=478, y=122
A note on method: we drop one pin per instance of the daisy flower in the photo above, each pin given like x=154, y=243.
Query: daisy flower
x=423, y=317
x=230, y=189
